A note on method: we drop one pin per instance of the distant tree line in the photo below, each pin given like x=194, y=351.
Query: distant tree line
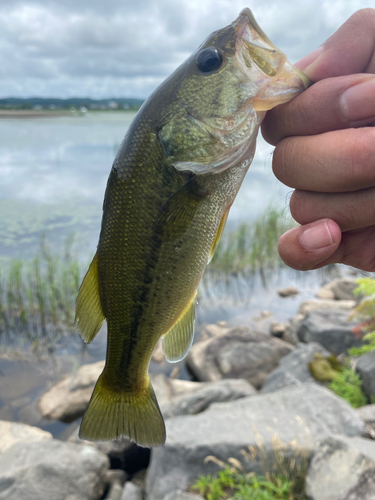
x=74, y=102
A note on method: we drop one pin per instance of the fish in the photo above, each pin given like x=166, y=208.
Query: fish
x=169, y=192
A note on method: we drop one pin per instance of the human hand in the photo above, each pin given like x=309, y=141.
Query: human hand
x=325, y=150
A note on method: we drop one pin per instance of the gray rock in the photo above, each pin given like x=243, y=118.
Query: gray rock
x=216, y=392
x=289, y=291
x=12, y=433
x=340, y=289
x=277, y=329
x=339, y=468
x=239, y=353
x=52, y=470
x=182, y=495
x=366, y=368
x=365, y=487
x=67, y=400
x=331, y=329
x=287, y=423
x=367, y=414
x=293, y=369
x=314, y=304
x=116, y=479
x=131, y=492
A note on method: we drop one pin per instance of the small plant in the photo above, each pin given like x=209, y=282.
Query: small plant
x=365, y=313
x=237, y=485
x=342, y=379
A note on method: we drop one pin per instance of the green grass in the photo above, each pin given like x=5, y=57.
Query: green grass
x=347, y=385
x=37, y=297
x=252, y=247
x=237, y=485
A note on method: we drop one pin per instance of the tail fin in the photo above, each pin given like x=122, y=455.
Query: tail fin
x=111, y=414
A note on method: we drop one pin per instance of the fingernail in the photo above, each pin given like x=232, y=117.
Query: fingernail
x=316, y=237
x=358, y=101
x=306, y=61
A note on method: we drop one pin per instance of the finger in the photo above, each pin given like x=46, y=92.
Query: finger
x=334, y=162
x=349, y=50
x=356, y=249
x=349, y=210
x=331, y=104
x=307, y=247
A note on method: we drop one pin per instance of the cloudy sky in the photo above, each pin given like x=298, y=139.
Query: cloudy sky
x=125, y=48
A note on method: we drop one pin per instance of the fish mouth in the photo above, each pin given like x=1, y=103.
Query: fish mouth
x=266, y=65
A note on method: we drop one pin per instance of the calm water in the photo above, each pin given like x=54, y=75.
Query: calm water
x=53, y=173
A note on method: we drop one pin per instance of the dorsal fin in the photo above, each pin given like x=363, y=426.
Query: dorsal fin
x=89, y=314
x=177, y=341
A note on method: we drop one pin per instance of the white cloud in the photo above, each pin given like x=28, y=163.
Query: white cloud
x=117, y=48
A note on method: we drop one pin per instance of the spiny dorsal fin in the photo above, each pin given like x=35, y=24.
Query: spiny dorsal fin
x=89, y=314
x=218, y=234
x=177, y=341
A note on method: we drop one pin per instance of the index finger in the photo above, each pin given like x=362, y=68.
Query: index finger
x=335, y=66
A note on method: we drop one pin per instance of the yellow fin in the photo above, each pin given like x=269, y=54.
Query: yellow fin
x=177, y=341
x=218, y=234
x=112, y=413
x=89, y=314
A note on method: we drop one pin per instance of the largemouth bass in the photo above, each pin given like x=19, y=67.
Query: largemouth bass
x=169, y=192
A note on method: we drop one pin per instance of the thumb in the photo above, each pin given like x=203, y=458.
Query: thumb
x=309, y=246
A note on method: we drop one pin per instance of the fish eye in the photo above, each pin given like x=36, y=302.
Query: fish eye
x=208, y=59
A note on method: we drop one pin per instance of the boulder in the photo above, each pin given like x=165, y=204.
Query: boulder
x=314, y=304
x=366, y=368
x=116, y=479
x=12, y=433
x=289, y=291
x=131, y=492
x=201, y=399
x=52, y=470
x=341, y=469
x=67, y=400
x=277, y=329
x=367, y=414
x=284, y=423
x=340, y=289
x=330, y=328
x=239, y=353
x=293, y=369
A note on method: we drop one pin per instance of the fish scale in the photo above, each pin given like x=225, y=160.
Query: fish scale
x=169, y=192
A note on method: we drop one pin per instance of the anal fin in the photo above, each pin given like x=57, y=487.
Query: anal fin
x=177, y=341
x=89, y=314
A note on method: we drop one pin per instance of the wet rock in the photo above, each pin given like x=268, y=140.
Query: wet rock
x=366, y=368
x=286, y=422
x=293, y=369
x=239, y=353
x=12, y=433
x=340, y=469
x=340, y=289
x=201, y=399
x=329, y=328
x=314, y=304
x=277, y=329
x=52, y=470
x=67, y=400
x=289, y=291
x=182, y=495
x=131, y=492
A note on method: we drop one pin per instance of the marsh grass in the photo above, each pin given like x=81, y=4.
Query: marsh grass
x=252, y=246
x=37, y=297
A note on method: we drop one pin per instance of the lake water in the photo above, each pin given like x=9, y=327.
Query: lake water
x=53, y=174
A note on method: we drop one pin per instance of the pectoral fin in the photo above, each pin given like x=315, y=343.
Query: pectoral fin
x=89, y=314
x=176, y=216
x=177, y=341
x=218, y=234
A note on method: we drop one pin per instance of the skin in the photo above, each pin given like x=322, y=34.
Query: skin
x=325, y=151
